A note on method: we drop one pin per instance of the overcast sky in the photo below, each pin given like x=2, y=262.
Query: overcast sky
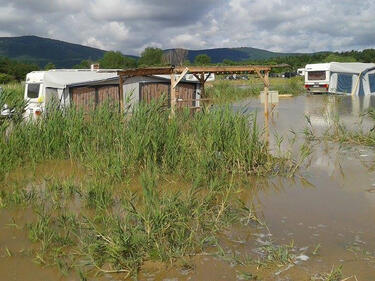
x=131, y=25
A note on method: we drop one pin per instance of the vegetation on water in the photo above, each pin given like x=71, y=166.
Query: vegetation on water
x=340, y=133
x=114, y=230
x=334, y=275
x=223, y=91
x=100, y=221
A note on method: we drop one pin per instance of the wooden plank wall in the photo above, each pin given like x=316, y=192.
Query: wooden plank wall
x=154, y=90
x=186, y=92
x=89, y=98
x=83, y=97
x=110, y=94
x=150, y=91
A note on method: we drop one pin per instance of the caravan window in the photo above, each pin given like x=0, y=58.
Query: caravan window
x=371, y=81
x=33, y=91
x=344, y=83
x=317, y=75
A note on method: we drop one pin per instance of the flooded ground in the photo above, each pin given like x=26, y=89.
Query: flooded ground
x=325, y=213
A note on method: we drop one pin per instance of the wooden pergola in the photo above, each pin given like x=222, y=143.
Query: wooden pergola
x=201, y=73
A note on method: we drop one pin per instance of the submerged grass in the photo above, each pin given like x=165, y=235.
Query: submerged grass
x=119, y=230
x=340, y=133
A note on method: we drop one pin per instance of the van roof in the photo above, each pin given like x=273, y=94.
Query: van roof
x=342, y=67
x=62, y=78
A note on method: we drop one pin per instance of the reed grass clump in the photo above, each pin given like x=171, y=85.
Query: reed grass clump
x=289, y=86
x=199, y=146
x=109, y=228
x=225, y=91
x=340, y=133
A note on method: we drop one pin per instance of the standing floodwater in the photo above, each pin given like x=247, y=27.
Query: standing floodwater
x=319, y=219
x=326, y=212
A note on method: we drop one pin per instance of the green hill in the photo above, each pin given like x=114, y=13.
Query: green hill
x=38, y=50
x=41, y=51
x=236, y=54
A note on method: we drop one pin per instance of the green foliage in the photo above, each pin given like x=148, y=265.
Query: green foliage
x=335, y=275
x=202, y=59
x=151, y=56
x=6, y=78
x=116, y=60
x=229, y=62
x=12, y=96
x=339, y=58
x=15, y=69
x=224, y=91
x=85, y=64
x=200, y=147
x=49, y=66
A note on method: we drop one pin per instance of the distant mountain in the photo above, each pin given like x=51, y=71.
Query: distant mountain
x=41, y=51
x=236, y=54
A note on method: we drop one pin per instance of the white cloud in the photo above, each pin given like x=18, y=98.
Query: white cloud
x=131, y=25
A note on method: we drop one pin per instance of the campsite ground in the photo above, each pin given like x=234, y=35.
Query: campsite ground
x=202, y=197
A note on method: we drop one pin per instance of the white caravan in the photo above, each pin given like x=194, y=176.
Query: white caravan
x=43, y=86
x=317, y=77
x=341, y=78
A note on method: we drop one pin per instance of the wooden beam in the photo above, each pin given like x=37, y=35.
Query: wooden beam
x=196, y=70
x=202, y=82
x=197, y=76
x=224, y=69
x=181, y=76
x=209, y=74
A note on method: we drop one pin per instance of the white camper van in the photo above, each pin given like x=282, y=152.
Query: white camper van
x=341, y=78
x=43, y=86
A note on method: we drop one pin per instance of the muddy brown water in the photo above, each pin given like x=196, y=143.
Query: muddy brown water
x=328, y=207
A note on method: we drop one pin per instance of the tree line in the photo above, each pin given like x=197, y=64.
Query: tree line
x=12, y=70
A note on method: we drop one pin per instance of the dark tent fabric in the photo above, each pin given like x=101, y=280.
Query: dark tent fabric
x=344, y=83
x=371, y=79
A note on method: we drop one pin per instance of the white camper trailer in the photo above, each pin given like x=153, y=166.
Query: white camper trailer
x=43, y=86
x=317, y=77
x=341, y=78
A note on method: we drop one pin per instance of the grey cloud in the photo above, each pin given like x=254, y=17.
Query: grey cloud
x=131, y=25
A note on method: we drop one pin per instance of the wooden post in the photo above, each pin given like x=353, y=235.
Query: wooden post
x=121, y=90
x=202, y=81
x=266, y=96
x=266, y=93
x=173, y=94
